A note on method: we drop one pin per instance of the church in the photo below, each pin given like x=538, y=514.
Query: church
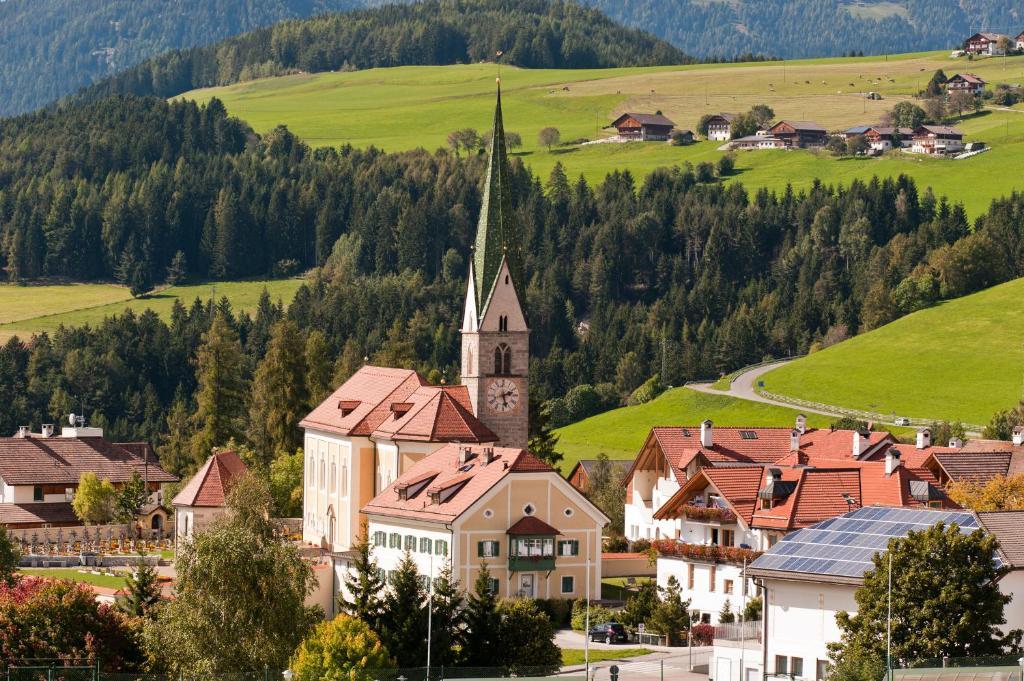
x=443, y=471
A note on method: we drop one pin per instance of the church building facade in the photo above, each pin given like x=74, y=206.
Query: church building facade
x=443, y=471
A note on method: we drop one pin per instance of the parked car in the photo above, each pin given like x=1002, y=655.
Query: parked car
x=902, y=421
x=609, y=632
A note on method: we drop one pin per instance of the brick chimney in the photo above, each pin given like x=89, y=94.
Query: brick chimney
x=706, y=434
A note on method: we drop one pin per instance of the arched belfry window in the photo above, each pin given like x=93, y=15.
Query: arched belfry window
x=503, y=323
x=502, y=360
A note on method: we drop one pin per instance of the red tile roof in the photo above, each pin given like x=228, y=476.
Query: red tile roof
x=211, y=484
x=1006, y=526
x=62, y=460
x=398, y=404
x=51, y=513
x=531, y=525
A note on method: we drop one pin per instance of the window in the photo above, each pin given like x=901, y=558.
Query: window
x=772, y=540
x=395, y=541
x=714, y=536
x=344, y=479
x=380, y=538
x=503, y=323
x=495, y=586
x=712, y=577
x=312, y=472
x=440, y=547
x=727, y=586
x=487, y=549
x=821, y=670
x=502, y=360
x=323, y=474
x=424, y=582
x=689, y=576
x=334, y=475
x=529, y=509
x=535, y=546
x=796, y=666
x=37, y=493
x=410, y=542
x=569, y=548
x=568, y=584
x=748, y=435
x=728, y=537
x=781, y=664
x=425, y=545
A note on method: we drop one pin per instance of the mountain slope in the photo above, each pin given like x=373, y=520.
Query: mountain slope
x=805, y=28
x=962, y=359
x=528, y=33
x=53, y=47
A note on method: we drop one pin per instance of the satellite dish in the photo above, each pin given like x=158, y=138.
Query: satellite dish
x=71, y=419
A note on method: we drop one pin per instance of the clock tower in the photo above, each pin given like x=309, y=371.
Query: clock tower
x=495, y=335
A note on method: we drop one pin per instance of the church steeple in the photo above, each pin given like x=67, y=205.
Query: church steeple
x=496, y=236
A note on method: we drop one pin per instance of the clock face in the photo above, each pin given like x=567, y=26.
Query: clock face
x=502, y=395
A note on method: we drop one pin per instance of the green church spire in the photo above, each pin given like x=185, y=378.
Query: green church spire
x=496, y=236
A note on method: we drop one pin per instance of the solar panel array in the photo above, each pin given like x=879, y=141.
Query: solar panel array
x=844, y=546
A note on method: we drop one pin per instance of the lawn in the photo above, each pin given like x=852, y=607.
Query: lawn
x=75, y=575
x=963, y=359
x=410, y=107
x=620, y=433
x=46, y=307
x=615, y=588
x=574, y=656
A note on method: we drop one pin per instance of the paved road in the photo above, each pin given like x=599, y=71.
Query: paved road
x=662, y=663
x=743, y=387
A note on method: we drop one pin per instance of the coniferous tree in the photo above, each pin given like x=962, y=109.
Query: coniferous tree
x=483, y=622
x=543, y=441
x=404, y=622
x=280, y=397
x=177, y=270
x=319, y=367
x=142, y=591
x=364, y=584
x=448, y=638
x=221, y=391
x=175, y=448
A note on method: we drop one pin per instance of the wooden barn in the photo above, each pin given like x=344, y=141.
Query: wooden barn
x=643, y=127
x=799, y=133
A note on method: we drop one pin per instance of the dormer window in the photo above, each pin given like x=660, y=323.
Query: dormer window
x=400, y=409
x=346, y=407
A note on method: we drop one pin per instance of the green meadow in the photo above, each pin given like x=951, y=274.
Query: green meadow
x=25, y=310
x=963, y=359
x=621, y=432
x=410, y=107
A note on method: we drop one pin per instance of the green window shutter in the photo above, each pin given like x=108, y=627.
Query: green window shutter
x=480, y=549
x=575, y=547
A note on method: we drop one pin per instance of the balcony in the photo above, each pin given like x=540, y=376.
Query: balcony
x=708, y=514
x=531, y=563
x=531, y=553
x=714, y=554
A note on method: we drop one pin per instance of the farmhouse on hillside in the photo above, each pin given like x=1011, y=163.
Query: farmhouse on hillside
x=965, y=82
x=579, y=475
x=443, y=471
x=1020, y=41
x=757, y=142
x=799, y=134
x=984, y=43
x=937, y=140
x=720, y=127
x=643, y=127
x=39, y=472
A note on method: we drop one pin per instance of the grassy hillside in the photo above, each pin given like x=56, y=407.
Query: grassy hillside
x=25, y=310
x=963, y=359
x=408, y=107
x=621, y=432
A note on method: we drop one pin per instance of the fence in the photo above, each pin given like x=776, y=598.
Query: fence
x=55, y=670
x=739, y=631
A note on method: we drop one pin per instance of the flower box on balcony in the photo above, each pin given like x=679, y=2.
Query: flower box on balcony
x=715, y=554
x=708, y=513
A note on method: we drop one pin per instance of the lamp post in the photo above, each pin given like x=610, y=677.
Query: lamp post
x=430, y=610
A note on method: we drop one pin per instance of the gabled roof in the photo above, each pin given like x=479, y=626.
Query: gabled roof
x=799, y=126
x=364, y=401
x=1008, y=528
x=938, y=130
x=967, y=78
x=61, y=460
x=209, y=487
x=588, y=466
x=645, y=119
x=531, y=525
x=727, y=117
x=435, y=414
x=977, y=467
x=50, y=513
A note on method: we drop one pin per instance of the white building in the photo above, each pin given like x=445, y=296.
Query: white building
x=202, y=500
x=813, y=573
x=720, y=127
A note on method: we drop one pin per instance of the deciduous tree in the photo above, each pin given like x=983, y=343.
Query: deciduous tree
x=95, y=500
x=1001, y=493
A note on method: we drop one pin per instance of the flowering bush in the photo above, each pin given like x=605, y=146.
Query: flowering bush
x=707, y=513
x=57, y=619
x=702, y=635
x=722, y=554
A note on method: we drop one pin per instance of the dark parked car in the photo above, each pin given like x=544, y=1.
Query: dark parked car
x=609, y=632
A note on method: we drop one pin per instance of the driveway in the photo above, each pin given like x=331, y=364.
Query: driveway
x=662, y=663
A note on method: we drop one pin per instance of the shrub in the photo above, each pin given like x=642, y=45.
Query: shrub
x=616, y=544
x=647, y=391
x=338, y=650
x=702, y=635
x=598, y=614
x=558, y=610
x=641, y=546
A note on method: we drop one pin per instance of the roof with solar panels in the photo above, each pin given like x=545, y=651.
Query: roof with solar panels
x=840, y=550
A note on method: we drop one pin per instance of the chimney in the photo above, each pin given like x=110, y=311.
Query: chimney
x=463, y=455
x=794, y=439
x=706, y=434
x=772, y=475
x=488, y=455
x=956, y=443
x=24, y=431
x=801, y=423
x=892, y=461
x=861, y=439
x=47, y=430
x=924, y=438
x=1018, y=436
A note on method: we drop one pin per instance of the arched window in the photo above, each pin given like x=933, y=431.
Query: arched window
x=502, y=360
x=503, y=323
